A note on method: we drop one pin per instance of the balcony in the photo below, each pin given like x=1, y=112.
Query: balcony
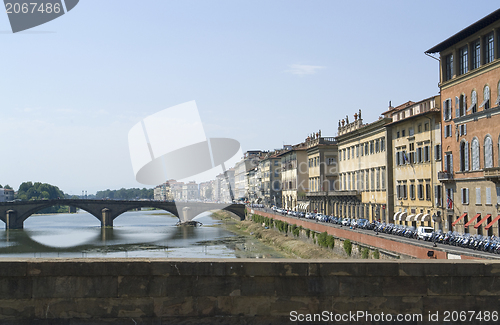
x=445, y=176
x=317, y=141
x=492, y=173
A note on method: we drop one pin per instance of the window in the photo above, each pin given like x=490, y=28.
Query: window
x=378, y=178
x=488, y=196
x=489, y=48
x=377, y=145
x=486, y=98
x=397, y=135
x=426, y=127
x=367, y=184
x=412, y=191
x=464, y=156
x=357, y=151
x=428, y=192
x=366, y=149
x=382, y=141
x=438, y=200
x=465, y=195
x=462, y=105
x=449, y=198
x=448, y=162
x=476, y=54
x=420, y=190
x=383, y=178
x=474, y=154
x=419, y=155
x=372, y=172
x=426, y=154
x=405, y=192
x=488, y=152
x=437, y=152
x=464, y=60
x=448, y=72
x=403, y=132
x=478, y=196
x=447, y=109
x=344, y=153
x=462, y=129
x=473, y=104
x=371, y=147
x=447, y=131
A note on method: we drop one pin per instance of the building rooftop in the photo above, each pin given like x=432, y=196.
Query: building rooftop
x=466, y=32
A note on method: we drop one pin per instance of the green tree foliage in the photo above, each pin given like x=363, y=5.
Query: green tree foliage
x=365, y=252
x=326, y=240
x=126, y=194
x=376, y=254
x=41, y=191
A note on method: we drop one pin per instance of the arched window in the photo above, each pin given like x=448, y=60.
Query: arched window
x=462, y=105
x=486, y=98
x=488, y=152
x=474, y=154
x=464, y=156
x=473, y=105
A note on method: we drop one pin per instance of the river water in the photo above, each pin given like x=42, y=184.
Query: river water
x=135, y=234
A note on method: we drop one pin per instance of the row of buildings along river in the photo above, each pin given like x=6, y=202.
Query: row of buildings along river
x=432, y=162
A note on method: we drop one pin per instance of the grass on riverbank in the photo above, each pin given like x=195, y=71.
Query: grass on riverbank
x=290, y=246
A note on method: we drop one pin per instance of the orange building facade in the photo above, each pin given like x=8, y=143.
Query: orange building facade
x=470, y=119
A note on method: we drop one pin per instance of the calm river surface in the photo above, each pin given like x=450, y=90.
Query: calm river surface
x=135, y=234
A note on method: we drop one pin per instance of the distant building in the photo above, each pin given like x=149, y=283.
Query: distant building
x=322, y=163
x=294, y=176
x=249, y=161
x=6, y=195
x=190, y=191
x=163, y=192
x=270, y=182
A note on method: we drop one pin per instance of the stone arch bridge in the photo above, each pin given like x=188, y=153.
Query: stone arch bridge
x=14, y=213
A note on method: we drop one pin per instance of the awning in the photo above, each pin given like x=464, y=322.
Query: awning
x=396, y=215
x=418, y=216
x=411, y=217
x=426, y=217
x=482, y=221
x=492, y=222
x=472, y=220
x=456, y=221
x=402, y=216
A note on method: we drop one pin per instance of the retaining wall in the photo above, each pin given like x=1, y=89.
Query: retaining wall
x=228, y=291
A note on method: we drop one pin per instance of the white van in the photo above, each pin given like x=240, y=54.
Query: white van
x=424, y=232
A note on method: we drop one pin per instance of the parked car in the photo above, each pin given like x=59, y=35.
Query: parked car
x=424, y=232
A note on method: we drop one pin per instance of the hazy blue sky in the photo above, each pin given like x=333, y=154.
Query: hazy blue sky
x=262, y=72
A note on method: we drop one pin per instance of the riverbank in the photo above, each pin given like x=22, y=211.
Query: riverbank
x=288, y=245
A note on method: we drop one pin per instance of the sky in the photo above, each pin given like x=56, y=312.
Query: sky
x=265, y=73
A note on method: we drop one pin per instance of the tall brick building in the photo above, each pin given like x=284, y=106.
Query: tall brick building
x=470, y=87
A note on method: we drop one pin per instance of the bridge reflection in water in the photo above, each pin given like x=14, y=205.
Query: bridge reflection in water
x=106, y=211
x=135, y=234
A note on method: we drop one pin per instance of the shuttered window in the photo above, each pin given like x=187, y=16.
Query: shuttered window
x=488, y=195
x=475, y=154
x=478, y=195
x=488, y=152
x=426, y=154
x=466, y=155
x=486, y=98
x=437, y=152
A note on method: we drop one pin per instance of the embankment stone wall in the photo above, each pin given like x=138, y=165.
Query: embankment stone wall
x=228, y=291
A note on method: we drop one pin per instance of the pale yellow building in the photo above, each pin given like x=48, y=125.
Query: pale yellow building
x=416, y=144
x=294, y=176
x=364, y=164
x=322, y=162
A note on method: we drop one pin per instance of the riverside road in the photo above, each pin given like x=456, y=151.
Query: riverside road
x=456, y=250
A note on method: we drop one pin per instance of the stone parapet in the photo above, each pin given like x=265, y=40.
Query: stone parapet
x=228, y=291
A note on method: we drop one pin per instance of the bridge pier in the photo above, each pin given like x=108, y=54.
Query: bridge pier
x=106, y=220
x=12, y=222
